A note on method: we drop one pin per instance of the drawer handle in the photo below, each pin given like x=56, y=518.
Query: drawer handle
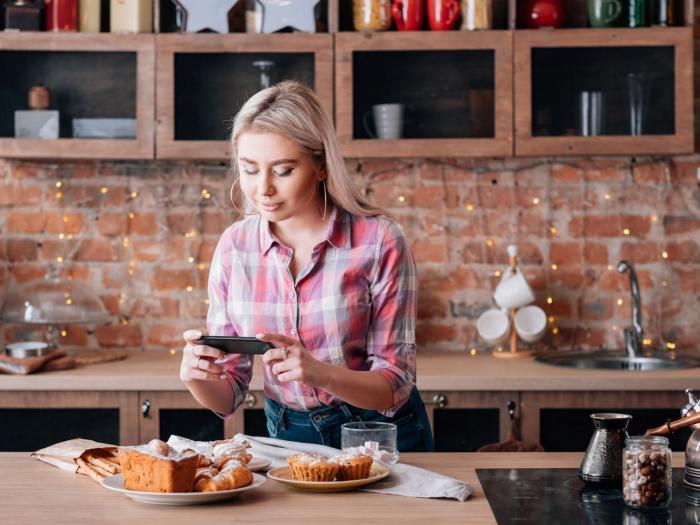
x=250, y=400
x=146, y=408
x=439, y=400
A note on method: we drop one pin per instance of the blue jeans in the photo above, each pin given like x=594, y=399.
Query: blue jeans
x=322, y=425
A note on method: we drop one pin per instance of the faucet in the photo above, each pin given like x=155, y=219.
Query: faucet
x=634, y=333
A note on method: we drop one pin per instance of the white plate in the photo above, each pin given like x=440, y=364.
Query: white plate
x=116, y=483
x=284, y=475
x=257, y=464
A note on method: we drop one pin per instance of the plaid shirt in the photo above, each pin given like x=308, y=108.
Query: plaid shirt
x=353, y=305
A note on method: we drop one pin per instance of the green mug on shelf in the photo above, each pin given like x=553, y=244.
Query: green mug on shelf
x=603, y=13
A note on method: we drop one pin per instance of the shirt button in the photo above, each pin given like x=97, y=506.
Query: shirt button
x=293, y=332
x=291, y=295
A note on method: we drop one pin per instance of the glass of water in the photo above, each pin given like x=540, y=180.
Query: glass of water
x=372, y=435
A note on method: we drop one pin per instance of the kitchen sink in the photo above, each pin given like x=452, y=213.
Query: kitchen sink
x=616, y=360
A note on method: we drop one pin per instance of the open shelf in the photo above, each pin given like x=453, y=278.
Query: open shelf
x=456, y=89
x=203, y=80
x=642, y=72
x=89, y=76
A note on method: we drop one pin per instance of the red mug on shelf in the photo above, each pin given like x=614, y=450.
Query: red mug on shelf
x=535, y=14
x=408, y=14
x=442, y=14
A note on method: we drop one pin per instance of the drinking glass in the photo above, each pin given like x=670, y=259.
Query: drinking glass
x=369, y=433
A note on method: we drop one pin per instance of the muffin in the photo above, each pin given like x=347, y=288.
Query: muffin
x=353, y=466
x=312, y=467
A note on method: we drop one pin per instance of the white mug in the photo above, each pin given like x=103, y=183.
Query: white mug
x=493, y=326
x=388, y=121
x=530, y=323
x=513, y=291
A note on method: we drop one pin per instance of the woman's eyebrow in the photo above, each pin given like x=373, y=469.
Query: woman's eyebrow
x=273, y=163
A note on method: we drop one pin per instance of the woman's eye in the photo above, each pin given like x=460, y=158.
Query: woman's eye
x=285, y=173
x=249, y=171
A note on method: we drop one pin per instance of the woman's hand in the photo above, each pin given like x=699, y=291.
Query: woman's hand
x=293, y=362
x=198, y=360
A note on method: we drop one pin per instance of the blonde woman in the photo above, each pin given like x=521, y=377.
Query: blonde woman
x=317, y=271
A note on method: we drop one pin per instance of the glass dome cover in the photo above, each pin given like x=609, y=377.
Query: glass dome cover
x=53, y=301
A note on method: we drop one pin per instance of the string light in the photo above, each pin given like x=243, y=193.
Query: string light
x=610, y=266
x=59, y=184
x=65, y=219
x=550, y=319
x=489, y=243
x=619, y=302
x=131, y=215
x=103, y=190
x=671, y=345
x=64, y=333
x=190, y=259
x=626, y=231
x=201, y=266
x=497, y=273
x=470, y=207
x=205, y=301
x=59, y=195
x=536, y=200
x=553, y=230
x=607, y=196
x=555, y=330
x=664, y=254
x=59, y=259
x=61, y=235
x=664, y=283
x=654, y=218
x=550, y=300
x=402, y=198
x=646, y=341
x=134, y=194
x=125, y=242
x=173, y=351
x=554, y=267
x=472, y=351
x=189, y=288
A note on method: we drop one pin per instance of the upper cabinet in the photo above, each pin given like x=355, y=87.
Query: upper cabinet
x=501, y=91
x=100, y=95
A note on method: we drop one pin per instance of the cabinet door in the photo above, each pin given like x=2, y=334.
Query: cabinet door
x=33, y=420
x=560, y=421
x=166, y=413
x=465, y=421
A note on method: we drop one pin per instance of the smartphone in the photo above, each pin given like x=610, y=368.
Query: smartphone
x=235, y=345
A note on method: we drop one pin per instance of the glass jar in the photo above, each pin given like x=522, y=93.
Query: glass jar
x=371, y=15
x=646, y=471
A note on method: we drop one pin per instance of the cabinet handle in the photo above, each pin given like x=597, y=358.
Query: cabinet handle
x=250, y=400
x=146, y=408
x=439, y=400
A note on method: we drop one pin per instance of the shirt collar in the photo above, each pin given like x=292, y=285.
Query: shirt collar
x=337, y=234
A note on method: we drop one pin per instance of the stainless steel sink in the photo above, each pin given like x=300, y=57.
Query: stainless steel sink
x=616, y=360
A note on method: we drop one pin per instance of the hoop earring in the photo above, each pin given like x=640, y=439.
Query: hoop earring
x=325, y=200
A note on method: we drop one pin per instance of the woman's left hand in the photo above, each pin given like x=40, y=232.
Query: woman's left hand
x=294, y=364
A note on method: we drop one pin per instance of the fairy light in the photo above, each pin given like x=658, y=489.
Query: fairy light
x=554, y=267
x=553, y=230
x=402, y=198
x=610, y=266
x=59, y=195
x=619, y=302
x=189, y=288
x=664, y=283
x=206, y=194
x=69, y=301
x=65, y=219
x=59, y=184
x=470, y=207
x=654, y=218
x=555, y=330
x=205, y=301
x=189, y=234
x=131, y=215
x=626, y=231
x=190, y=259
x=497, y=273
x=103, y=190
x=125, y=321
x=64, y=333
x=201, y=266
x=607, y=196
x=536, y=200
x=59, y=259
x=550, y=300
x=489, y=243
x=134, y=194
x=671, y=345
x=646, y=341
x=173, y=351
x=70, y=236
x=61, y=235
x=550, y=319
x=664, y=254
x=125, y=242
x=472, y=351
x=499, y=349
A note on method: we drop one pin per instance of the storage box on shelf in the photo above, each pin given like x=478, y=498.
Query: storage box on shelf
x=455, y=87
x=641, y=79
x=89, y=76
x=203, y=80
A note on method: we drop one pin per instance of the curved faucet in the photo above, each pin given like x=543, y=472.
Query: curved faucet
x=635, y=333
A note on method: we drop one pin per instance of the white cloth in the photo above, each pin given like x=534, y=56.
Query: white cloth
x=405, y=480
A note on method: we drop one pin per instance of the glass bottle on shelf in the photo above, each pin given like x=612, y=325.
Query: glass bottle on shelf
x=477, y=14
x=371, y=15
x=663, y=13
x=253, y=17
x=89, y=16
x=61, y=15
x=130, y=16
x=24, y=15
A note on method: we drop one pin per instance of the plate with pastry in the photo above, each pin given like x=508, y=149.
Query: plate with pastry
x=158, y=473
x=318, y=473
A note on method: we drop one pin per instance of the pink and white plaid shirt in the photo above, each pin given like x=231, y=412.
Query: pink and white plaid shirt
x=353, y=305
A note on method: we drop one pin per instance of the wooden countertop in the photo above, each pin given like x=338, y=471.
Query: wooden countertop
x=35, y=492
x=441, y=371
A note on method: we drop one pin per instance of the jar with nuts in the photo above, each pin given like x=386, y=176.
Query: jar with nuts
x=371, y=15
x=646, y=471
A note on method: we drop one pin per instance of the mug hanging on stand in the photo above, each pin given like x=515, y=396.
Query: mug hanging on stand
x=388, y=121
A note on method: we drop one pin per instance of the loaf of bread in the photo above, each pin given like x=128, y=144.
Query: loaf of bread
x=156, y=467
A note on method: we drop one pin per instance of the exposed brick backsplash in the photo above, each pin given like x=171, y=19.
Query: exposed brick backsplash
x=142, y=235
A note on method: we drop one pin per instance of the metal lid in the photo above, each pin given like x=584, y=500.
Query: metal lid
x=693, y=404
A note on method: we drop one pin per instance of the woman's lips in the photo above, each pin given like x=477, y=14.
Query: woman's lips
x=270, y=206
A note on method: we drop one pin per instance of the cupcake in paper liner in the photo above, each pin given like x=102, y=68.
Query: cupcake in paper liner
x=312, y=467
x=353, y=466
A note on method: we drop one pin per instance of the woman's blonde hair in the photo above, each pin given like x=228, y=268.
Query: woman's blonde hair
x=292, y=110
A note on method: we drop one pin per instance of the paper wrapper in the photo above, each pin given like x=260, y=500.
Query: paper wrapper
x=64, y=455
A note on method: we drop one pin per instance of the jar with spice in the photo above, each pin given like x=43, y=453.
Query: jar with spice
x=371, y=15
x=646, y=472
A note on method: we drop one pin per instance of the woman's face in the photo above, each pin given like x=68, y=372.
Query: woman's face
x=277, y=178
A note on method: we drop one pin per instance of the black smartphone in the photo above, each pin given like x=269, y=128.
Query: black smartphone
x=235, y=345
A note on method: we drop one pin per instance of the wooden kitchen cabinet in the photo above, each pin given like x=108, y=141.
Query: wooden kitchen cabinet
x=204, y=79
x=638, y=81
x=560, y=421
x=89, y=76
x=456, y=89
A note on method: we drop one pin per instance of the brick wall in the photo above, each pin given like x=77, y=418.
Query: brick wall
x=142, y=235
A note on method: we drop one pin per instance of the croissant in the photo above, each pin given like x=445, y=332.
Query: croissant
x=207, y=480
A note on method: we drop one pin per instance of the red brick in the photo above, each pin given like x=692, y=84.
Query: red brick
x=172, y=279
x=202, y=278
x=143, y=224
x=115, y=196
x=498, y=197
x=532, y=223
x=77, y=196
x=590, y=338
x=686, y=251
x=650, y=173
x=194, y=308
x=609, y=226
x=28, y=171
x=474, y=252
x=569, y=198
x=112, y=303
x=84, y=170
x=65, y=223
x=596, y=308
x=24, y=273
x=602, y=170
x=112, y=224
x=97, y=250
x=427, y=332
x=20, y=222
x=149, y=307
x=114, y=276
x=180, y=223
x=595, y=253
x=619, y=282
x=684, y=172
x=75, y=336
x=21, y=250
x=565, y=252
x=171, y=250
x=567, y=277
x=119, y=335
x=640, y=252
x=20, y=195
x=429, y=197
x=680, y=224
x=689, y=281
x=388, y=195
x=566, y=173
x=75, y=272
x=205, y=251
x=430, y=250
x=215, y=222
x=169, y=336
x=432, y=306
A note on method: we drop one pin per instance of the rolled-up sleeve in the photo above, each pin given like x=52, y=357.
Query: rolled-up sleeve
x=391, y=338
x=238, y=367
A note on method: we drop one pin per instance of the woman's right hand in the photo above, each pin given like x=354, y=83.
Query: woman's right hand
x=198, y=360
